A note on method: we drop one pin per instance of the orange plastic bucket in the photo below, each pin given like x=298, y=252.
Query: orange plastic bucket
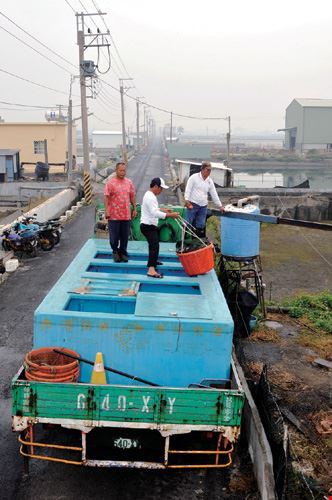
x=197, y=262
x=45, y=365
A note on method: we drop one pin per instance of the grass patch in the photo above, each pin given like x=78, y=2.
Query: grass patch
x=314, y=313
x=315, y=309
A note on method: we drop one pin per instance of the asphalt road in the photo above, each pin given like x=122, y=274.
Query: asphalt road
x=19, y=296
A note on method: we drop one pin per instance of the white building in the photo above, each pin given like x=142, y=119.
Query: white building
x=106, y=139
x=308, y=125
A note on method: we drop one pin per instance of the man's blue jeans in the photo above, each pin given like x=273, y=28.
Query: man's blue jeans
x=196, y=216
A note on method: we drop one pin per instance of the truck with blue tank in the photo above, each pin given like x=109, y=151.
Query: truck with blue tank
x=175, y=334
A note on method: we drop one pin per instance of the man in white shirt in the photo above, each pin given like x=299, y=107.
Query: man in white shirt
x=196, y=197
x=150, y=213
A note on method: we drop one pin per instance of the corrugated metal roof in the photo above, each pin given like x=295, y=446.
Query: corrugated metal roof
x=214, y=164
x=315, y=103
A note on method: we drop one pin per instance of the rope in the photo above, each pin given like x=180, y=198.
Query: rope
x=185, y=226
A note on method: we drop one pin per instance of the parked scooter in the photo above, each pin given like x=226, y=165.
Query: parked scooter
x=54, y=224
x=43, y=233
x=20, y=242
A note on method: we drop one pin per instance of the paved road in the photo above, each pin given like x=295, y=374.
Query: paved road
x=19, y=296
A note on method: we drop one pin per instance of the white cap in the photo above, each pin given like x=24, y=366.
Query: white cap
x=158, y=181
x=162, y=183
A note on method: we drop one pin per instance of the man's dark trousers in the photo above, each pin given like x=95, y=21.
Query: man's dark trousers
x=119, y=231
x=151, y=233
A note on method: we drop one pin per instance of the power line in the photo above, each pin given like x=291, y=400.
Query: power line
x=37, y=40
x=104, y=121
x=106, y=103
x=108, y=59
x=35, y=50
x=69, y=5
x=191, y=117
x=36, y=106
x=111, y=37
x=109, y=97
x=33, y=83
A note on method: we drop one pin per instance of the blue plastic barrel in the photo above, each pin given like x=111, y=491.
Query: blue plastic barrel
x=240, y=238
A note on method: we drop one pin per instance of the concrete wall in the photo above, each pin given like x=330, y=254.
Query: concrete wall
x=294, y=118
x=22, y=136
x=53, y=207
x=317, y=126
x=29, y=189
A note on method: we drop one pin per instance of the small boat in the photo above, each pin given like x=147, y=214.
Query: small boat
x=303, y=185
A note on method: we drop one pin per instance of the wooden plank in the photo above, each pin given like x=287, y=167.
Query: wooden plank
x=323, y=363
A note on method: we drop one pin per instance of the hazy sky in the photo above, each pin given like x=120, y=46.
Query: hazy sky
x=246, y=59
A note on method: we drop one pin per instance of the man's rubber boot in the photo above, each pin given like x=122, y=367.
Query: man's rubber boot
x=116, y=257
x=123, y=257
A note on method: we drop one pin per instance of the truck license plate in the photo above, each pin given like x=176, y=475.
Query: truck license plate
x=126, y=443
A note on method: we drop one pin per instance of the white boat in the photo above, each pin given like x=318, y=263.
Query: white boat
x=221, y=175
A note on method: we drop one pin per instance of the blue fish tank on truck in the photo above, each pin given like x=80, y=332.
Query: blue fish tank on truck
x=175, y=334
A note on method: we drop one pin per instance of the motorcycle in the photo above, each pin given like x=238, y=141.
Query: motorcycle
x=25, y=243
x=54, y=224
x=43, y=233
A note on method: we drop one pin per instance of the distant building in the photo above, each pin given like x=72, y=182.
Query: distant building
x=188, y=151
x=29, y=138
x=308, y=125
x=106, y=139
x=9, y=165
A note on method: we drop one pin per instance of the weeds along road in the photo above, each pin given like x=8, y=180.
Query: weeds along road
x=19, y=297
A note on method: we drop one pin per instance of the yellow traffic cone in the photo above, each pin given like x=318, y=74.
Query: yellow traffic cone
x=98, y=374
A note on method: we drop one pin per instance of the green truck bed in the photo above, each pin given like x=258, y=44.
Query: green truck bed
x=132, y=406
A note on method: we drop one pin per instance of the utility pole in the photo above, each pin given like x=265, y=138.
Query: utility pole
x=137, y=122
x=137, y=125
x=144, y=130
x=228, y=139
x=171, y=131
x=70, y=140
x=45, y=152
x=124, y=145
x=87, y=70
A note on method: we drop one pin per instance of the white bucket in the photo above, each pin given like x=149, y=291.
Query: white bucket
x=11, y=265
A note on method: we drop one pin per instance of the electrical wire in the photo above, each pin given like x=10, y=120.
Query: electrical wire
x=34, y=83
x=111, y=37
x=109, y=98
x=35, y=50
x=108, y=59
x=104, y=121
x=26, y=105
x=191, y=117
x=37, y=40
x=106, y=103
x=69, y=5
